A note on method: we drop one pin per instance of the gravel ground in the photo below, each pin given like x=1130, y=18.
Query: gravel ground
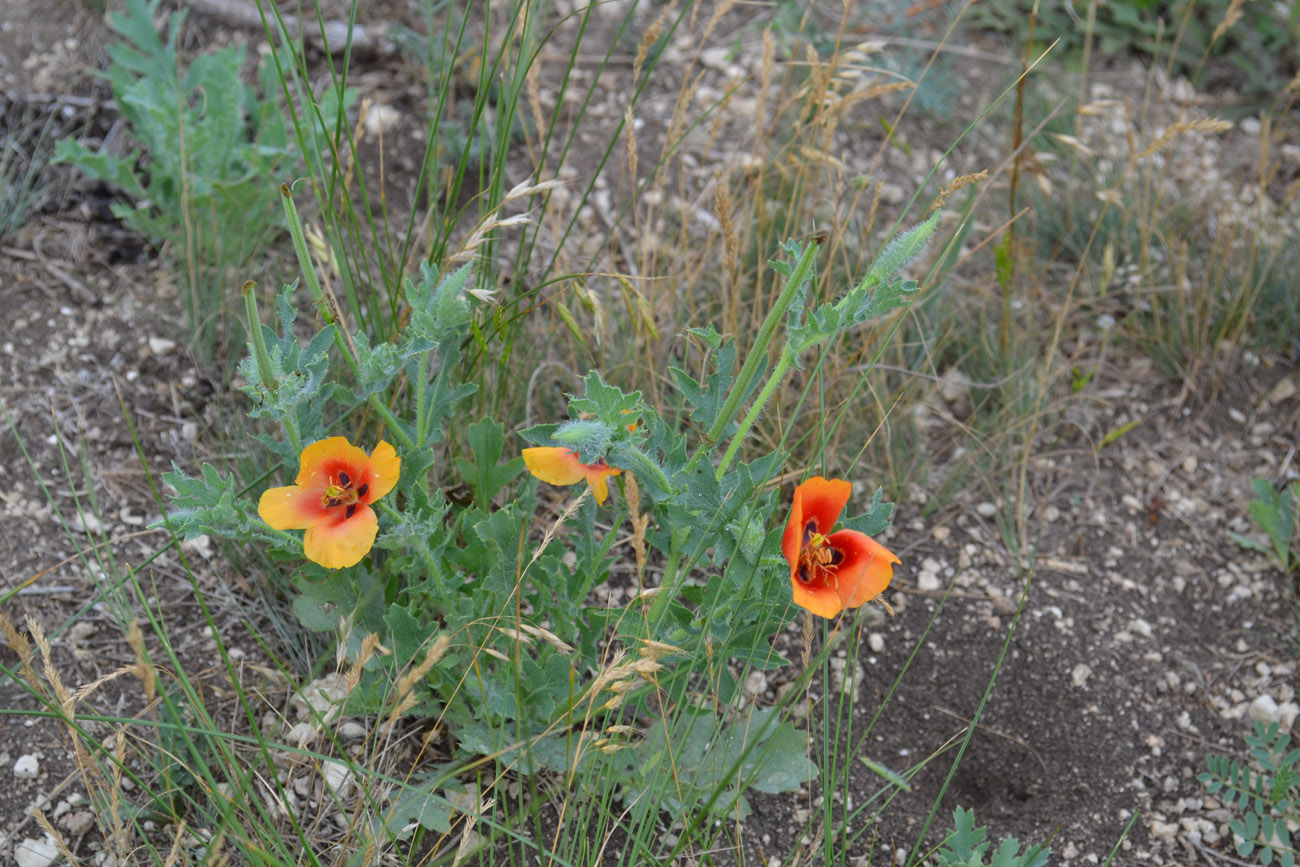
x=1147, y=639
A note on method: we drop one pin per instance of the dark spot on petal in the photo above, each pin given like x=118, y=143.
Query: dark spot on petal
x=836, y=556
x=343, y=479
x=361, y=491
x=804, y=577
x=332, y=502
x=352, y=510
x=808, y=530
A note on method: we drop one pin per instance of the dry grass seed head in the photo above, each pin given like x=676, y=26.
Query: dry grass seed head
x=874, y=208
x=638, y=521
x=651, y=649
x=549, y=535
x=83, y=692
x=724, y=210
x=52, y=676
x=1207, y=124
x=113, y=800
x=1231, y=16
x=403, y=692
x=19, y=644
x=718, y=12
x=495, y=654
x=652, y=34
x=620, y=730
x=469, y=247
x=548, y=636
x=614, y=670
x=957, y=183
x=369, y=647
x=629, y=137
x=174, y=855
x=53, y=834
x=144, y=671
x=528, y=188
x=517, y=635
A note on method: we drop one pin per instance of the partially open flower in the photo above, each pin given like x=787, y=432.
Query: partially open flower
x=831, y=571
x=560, y=466
x=330, y=500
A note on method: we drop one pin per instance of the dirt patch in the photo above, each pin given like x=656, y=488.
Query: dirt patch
x=1144, y=641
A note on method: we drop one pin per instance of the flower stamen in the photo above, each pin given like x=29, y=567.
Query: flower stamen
x=342, y=495
x=817, y=557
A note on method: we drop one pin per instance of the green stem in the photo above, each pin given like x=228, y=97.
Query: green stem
x=671, y=569
x=309, y=275
x=260, y=355
x=262, y=359
x=290, y=421
x=391, y=420
x=783, y=366
x=758, y=351
x=421, y=419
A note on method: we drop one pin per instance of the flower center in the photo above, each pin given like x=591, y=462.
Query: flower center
x=341, y=493
x=818, y=558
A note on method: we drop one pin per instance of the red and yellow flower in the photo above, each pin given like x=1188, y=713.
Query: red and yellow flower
x=560, y=466
x=831, y=571
x=331, y=500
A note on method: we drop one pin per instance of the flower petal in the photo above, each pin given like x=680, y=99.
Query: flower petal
x=291, y=508
x=322, y=461
x=340, y=542
x=818, y=598
x=866, y=569
x=792, y=537
x=819, y=500
x=554, y=464
x=598, y=477
x=823, y=500
x=381, y=472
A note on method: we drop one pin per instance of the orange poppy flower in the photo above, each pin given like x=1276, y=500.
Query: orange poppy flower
x=831, y=571
x=560, y=466
x=330, y=500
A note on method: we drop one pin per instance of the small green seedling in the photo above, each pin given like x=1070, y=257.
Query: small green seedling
x=1275, y=512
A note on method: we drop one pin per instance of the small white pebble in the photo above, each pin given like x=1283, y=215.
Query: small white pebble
x=161, y=345
x=1263, y=708
x=876, y=642
x=28, y=767
x=352, y=731
x=32, y=852
x=986, y=509
x=1080, y=674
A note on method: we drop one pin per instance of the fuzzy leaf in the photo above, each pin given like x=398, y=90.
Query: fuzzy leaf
x=707, y=401
x=209, y=505
x=439, y=310
x=606, y=403
x=875, y=520
x=418, y=806
x=485, y=474
x=321, y=605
